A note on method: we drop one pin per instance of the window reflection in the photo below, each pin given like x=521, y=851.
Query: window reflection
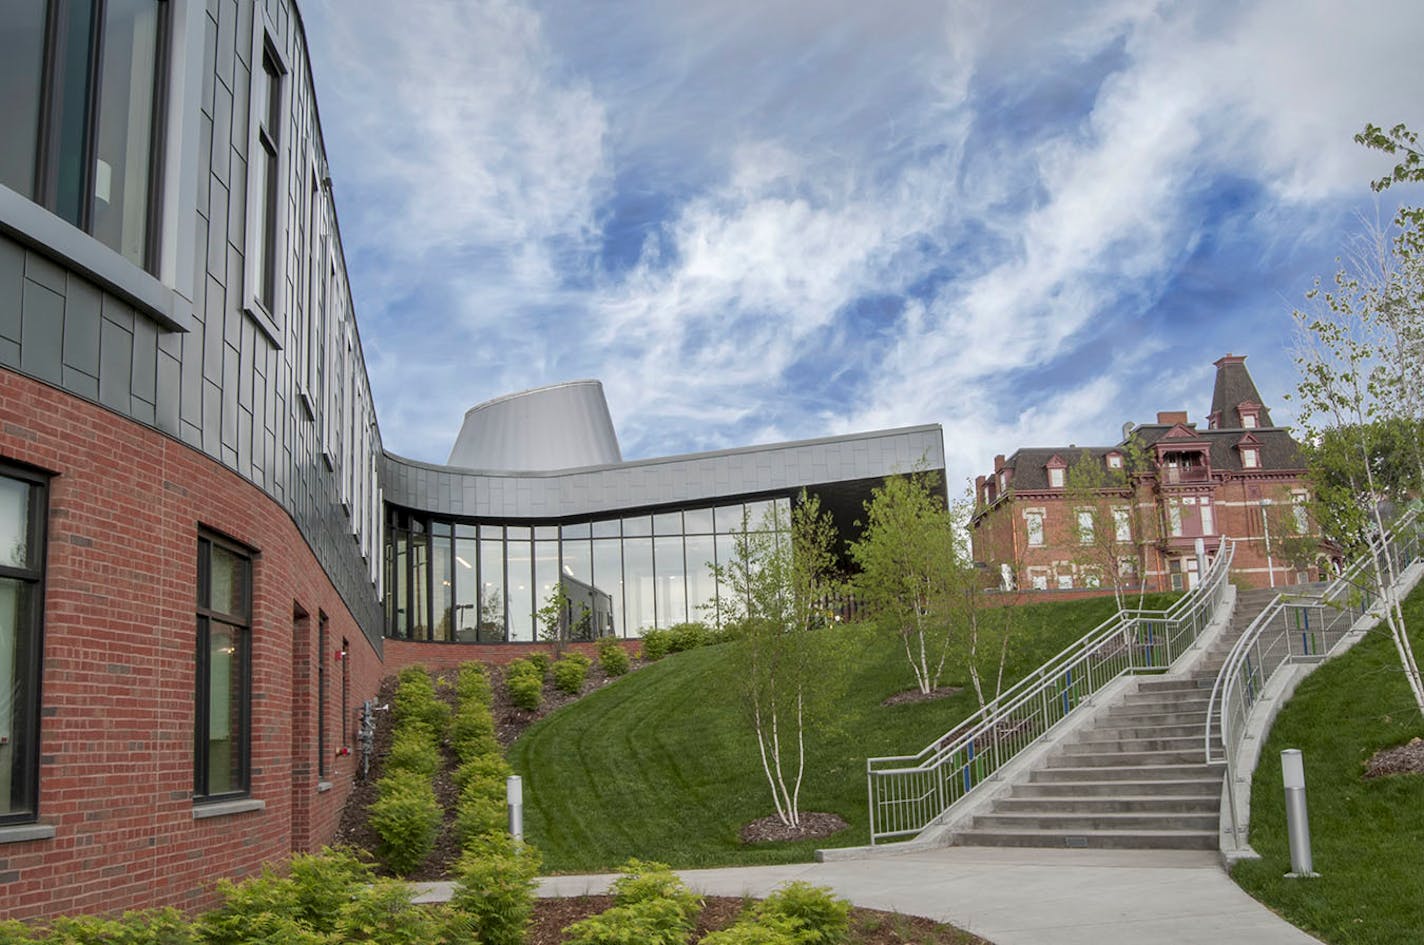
x=442, y=582
x=608, y=577
x=491, y=626
x=638, y=585
x=546, y=575
x=520, y=593
x=671, y=586
x=701, y=585
x=467, y=598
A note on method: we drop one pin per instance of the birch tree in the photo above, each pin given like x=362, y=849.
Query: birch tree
x=907, y=560
x=1109, y=526
x=776, y=586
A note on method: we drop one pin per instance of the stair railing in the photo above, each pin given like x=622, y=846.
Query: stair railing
x=908, y=793
x=1292, y=629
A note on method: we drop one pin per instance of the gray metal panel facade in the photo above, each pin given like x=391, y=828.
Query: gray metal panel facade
x=699, y=478
x=224, y=387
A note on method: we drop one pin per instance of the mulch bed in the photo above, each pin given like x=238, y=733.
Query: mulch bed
x=510, y=721
x=910, y=696
x=813, y=826
x=868, y=926
x=1401, y=759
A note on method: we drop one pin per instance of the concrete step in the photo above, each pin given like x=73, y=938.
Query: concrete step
x=1187, y=684
x=1110, y=804
x=1056, y=822
x=1160, y=772
x=1093, y=840
x=1130, y=729
x=1206, y=787
x=1128, y=759
x=1153, y=716
x=1107, y=743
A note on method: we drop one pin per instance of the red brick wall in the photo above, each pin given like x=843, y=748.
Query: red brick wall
x=116, y=777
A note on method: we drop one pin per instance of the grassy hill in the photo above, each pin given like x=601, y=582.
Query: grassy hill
x=1367, y=836
x=661, y=764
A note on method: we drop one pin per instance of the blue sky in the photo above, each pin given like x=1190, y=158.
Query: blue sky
x=1026, y=221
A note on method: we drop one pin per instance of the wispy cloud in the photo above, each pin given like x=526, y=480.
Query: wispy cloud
x=1027, y=223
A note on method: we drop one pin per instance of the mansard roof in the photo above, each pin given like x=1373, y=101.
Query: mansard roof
x=1234, y=387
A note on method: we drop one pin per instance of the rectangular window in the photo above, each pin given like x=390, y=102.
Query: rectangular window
x=81, y=124
x=1033, y=519
x=1122, y=524
x=1055, y=478
x=23, y=512
x=1085, y=526
x=1300, y=512
x=224, y=670
x=265, y=186
x=1174, y=518
x=321, y=657
x=1249, y=458
x=1208, y=520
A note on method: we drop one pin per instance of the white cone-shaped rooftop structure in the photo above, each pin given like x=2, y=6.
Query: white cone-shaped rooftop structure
x=562, y=426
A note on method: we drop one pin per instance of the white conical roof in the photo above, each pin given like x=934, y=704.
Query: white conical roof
x=562, y=426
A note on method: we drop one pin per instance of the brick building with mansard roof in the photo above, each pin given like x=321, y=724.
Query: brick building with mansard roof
x=1167, y=484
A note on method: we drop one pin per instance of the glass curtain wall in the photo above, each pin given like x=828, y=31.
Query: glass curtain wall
x=467, y=582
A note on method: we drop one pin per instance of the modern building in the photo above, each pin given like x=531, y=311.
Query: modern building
x=1134, y=512
x=209, y=559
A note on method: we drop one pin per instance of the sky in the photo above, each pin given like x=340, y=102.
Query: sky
x=755, y=222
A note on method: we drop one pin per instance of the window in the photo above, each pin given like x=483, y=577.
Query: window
x=265, y=188
x=1208, y=521
x=1065, y=582
x=1085, y=526
x=1300, y=512
x=1174, y=518
x=22, y=553
x=1038, y=577
x=80, y=121
x=321, y=655
x=224, y=678
x=1250, y=459
x=1033, y=520
x=1248, y=420
x=1055, y=478
x=1122, y=524
x=1114, y=460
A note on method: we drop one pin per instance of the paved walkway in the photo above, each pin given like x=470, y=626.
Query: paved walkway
x=1019, y=897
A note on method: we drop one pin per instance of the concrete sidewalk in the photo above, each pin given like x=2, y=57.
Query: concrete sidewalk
x=1019, y=897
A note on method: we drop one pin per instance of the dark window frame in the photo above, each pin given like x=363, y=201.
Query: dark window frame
x=34, y=575
x=206, y=615
x=49, y=151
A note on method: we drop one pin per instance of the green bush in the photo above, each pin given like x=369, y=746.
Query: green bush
x=644, y=881
x=480, y=812
x=649, y=922
x=262, y=928
x=383, y=914
x=689, y=636
x=412, y=750
x=148, y=927
x=415, y=701
x=406, y=816
x=472, y=732
x=472, y=685
x=655, y=644
x=491, y=767
x=540, y=661
x=525, y=690
x=612, y=657
x=773, y=930
x=494, y=891
x=569, y=674
x=823, y=917
x=301, y=908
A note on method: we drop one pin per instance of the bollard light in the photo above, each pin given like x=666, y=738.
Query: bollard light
x=514, y=794
x=1297, y=820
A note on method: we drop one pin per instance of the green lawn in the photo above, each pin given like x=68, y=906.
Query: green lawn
x=660, y=765
x=1367, y=836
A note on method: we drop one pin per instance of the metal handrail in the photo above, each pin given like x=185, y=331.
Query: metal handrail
x=1292, y=629
x=908, y=793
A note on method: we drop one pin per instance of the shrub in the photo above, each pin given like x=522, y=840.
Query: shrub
x=643, y=881
x=415, y=701
x=526, y=691
x=656, y=644
x=413, y=750
x=149, y=927
x=612, y=657
x=472, y=685
x=472, y=732
x=405, y=816
x=773, y=930
x=540, y=661
x=649, y=922
x=383, y=914
x=689, y=636
x=494, y=891
x=823, y=918
x=491, y=767
x=323, y=883
x=569, y=674
x=480, y=812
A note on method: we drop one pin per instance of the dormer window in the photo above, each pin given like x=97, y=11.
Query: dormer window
x=1250, y=457
x=1114, y=460
x=1057, y=472
x=1250, y=414
x=1248, y=420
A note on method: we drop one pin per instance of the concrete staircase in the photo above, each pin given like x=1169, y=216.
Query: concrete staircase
x=1135, y=777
